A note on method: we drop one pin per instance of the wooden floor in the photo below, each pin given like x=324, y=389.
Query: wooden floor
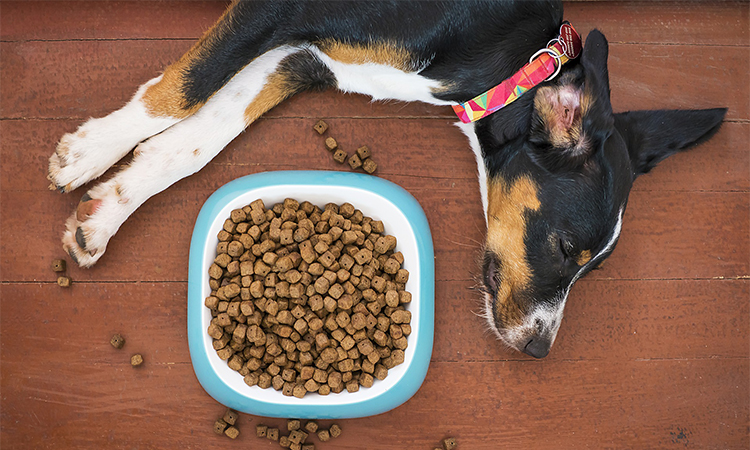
x=654, y=351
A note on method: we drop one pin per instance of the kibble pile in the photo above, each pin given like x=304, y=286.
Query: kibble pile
x=308, y=300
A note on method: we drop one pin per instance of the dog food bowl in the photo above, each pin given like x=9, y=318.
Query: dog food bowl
x=376, y=198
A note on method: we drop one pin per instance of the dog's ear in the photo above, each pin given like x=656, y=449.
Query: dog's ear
x=573, y=115
x=651, y=136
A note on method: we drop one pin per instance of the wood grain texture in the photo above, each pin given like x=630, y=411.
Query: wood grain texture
x=654, y=349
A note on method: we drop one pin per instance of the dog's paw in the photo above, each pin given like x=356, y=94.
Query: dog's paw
x=89, y=229
x=82, y=156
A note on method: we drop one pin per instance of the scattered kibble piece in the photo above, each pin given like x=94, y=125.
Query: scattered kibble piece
x=231, y=416
x=324, y=435
x=369, y=165
x=355, y=162
x=219, y=426
x=261, y=430
x=364, y=152
x=232, y=432
x=63, y=281
x=321, y=127
x=58, y=265
x=292, y=424
x=117, y=341
x=335, y=431
x=308, y=447
x=340, y=156
x=311, y=426
x=136, y=360
x=449, y=443
x=284, y=441
x=273, y=434
x=331, y=144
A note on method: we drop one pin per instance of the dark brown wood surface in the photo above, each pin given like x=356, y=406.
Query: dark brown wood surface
x=654, y=351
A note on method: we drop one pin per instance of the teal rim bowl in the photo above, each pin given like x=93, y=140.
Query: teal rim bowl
x=377, y=198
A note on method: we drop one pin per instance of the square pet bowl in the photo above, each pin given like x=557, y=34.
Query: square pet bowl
x=376, y=198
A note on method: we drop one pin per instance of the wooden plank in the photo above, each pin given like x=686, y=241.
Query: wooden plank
x=666, y=235
x=663, y=22
x=93, y=78
x=63, y=20
x=628, y=320
x=707, y=23
x=403, y=148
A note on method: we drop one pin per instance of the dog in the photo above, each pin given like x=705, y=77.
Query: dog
x=555, y=165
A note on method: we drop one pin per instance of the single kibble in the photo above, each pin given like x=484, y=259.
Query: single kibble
x=58, y=265
x=369, y=165
x=292, y=425
x=321, y=127
x=219, y=426
x=261, y=430
x=231, y=416
x=311, y=426
x=449, y=443
x=136, y=360
x=63, y=281
x=355, y=162
x=232, y=432
x=340, y=156
x=364, y=152
x=117, y=341
x=284, y=441
x=324, y=435
x=331, y=144
x=335, y=431
x=308, y=446
x=273, y=434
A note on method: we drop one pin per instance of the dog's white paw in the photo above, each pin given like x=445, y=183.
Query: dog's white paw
x=84, y=155
x=96, y=219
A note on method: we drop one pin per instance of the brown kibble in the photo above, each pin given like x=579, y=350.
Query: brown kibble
x=335, y=431
x=321, y=127
x=311, y=426
x=364, y=152
x=273, y=434
x=324, y=435
x=449, y=443
x=308, y=447
x=136, y=360
x=355, y=162
x=340, y=156
x=232, y=432
x=293, y=424
x=231, y=416
x=219, y=426
x=58, y=265
x=117, y=341
x=63, y=282
x=331, y=144
x=369, y=165
x=261, y=430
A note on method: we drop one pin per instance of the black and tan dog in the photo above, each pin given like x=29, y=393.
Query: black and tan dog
x=555, y=166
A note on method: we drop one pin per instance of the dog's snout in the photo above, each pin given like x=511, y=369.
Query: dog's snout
x=537, y=347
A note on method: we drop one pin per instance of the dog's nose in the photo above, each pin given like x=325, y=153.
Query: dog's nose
x=537, y=347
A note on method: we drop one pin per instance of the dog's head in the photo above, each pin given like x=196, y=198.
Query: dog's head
x=557, y=191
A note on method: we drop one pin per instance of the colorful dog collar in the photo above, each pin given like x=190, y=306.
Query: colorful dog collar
x=542, y=66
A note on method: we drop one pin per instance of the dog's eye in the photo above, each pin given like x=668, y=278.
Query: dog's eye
x=566, y=249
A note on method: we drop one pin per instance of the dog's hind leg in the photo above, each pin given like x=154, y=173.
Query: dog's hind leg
x=187, y=146
x=235, y=40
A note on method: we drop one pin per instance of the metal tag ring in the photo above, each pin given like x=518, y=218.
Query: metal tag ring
x=554, y=55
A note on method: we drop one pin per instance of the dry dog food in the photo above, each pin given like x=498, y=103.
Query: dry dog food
x=117, y=341
x=312, y=300
x=232, y=432
x=220, y=426
x=321, y=127
x=63, y=281
x=340, y=156
x=58, y=265
x=136, y=360
x=296, y=439
x=449, y=443
x=331, y=144
x=369, y=165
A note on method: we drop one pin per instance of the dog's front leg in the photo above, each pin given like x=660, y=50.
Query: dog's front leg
x=179, y=151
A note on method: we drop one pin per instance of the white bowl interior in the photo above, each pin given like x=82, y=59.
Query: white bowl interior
x=372, y=205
